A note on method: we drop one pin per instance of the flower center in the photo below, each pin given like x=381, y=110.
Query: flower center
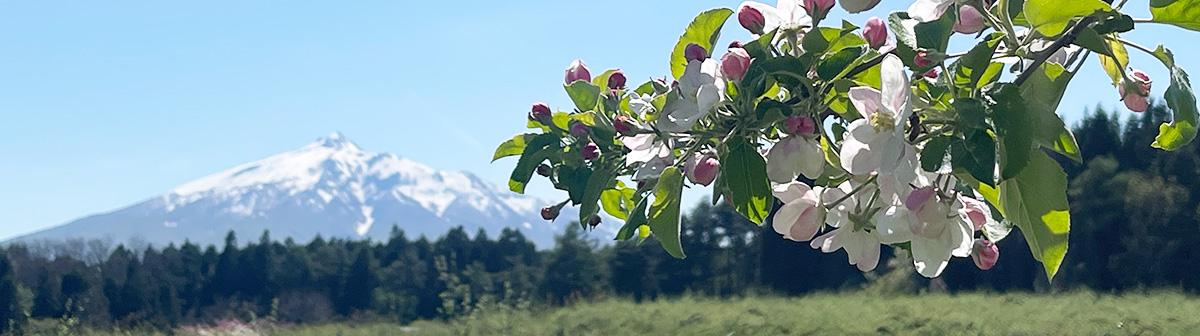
x=882, y=121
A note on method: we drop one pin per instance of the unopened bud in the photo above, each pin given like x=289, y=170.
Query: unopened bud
x=543, y=170
x=818, y=8
x=969, y=21
x=1134, y=90
x=625, y=125
x=856, y=6
x=797, y=125
x=550, y=213
x=875, y=32
x=985, y=254
x=921, y=60
x=579, y=129
x=540, y=112
x=616, y=81
x=734, y=63
x=694, y=52
x=702, y=169
x=578, y=71
x=752, y=19
x=932, y=73
x=595, y=221
x=736, y=44
x=590, y=151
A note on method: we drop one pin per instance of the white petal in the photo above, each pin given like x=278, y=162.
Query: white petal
x=828, y=242
x=895, y=88
x=707, y=97
x=790, y=192
x=786, y=217
x=857, y=155
x=929, y=256
x=865, y=99
x=960, y=239
x=862, y=249
x=893, y=225
x=928, y=10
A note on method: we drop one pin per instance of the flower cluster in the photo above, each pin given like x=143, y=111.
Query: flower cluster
x=862, y=137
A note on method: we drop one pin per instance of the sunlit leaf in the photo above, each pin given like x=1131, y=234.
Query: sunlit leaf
x=703, y=31
x=664, y=212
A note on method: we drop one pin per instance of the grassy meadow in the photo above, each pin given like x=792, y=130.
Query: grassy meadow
x=1078, y=313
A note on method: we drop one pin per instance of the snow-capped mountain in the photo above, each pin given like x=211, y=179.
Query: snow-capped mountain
x=330, y=187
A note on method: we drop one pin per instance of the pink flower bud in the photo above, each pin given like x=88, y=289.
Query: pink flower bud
x=922, y=59
x=856, y=6
x=590, y=151
x=578, y=71
x=818, y=8
x=625, y=125
x=616, y=81
x=579, y=129
x=736, y=44
x=875, y=32
x=540, y=112
x=734, y=63
x=550, y=213
x=1135, y=100
x=976, y=212
x=969, y=21
x=543, y=170
x=985, y=254
x=595, y=221
x=932, y=73
x=694, y=52
x=702, y=169
x=752, y=19
x=797, y=125
x=917, y=199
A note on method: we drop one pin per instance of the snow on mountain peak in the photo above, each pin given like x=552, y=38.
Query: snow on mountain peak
x=335, y=141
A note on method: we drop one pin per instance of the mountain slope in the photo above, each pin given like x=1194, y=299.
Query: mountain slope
x=330, y=187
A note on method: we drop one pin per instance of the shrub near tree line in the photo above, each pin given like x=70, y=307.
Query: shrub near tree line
x=853, y=137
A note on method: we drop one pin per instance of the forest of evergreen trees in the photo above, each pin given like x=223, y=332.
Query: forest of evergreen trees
x=1135, y=226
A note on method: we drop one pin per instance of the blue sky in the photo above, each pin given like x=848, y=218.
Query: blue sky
x=105, y=104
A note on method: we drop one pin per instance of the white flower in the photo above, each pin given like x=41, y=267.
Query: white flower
x=787, y=14
x=649, y=154
x=793, y=156
x=862, y=246
x=933, y=226
x=701, y=87
x=876, y=142
x=641, y=104
x=801, y=215
x=928, y=10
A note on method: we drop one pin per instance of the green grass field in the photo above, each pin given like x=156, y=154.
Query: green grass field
x=822, y=314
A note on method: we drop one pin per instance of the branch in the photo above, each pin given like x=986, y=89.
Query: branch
x=1041, y=57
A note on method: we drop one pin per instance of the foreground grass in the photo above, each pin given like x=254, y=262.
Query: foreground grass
x=825, y=314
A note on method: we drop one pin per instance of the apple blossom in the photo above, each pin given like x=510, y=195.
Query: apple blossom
x=875, y=32
x=540, y=112
x=702, y=168
x=930, y=224
x=861, y=246
x=857, y=6
x=649, y=154
x=786, y=15
x=701, y=87
x=876, y=142
x=793, y=156
x=928, y=10
x=1135, y=100
x=984, y=253
x=578, y=71
x=751, y=18
x=694, y=52
x=734, y=63
x=975, y=212
x=801, y=215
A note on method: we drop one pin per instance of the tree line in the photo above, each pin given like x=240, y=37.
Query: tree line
x=1135, y=226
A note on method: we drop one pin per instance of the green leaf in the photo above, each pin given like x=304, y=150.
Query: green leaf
x=745, y=173
x=971, y=113
x=969, y=69
x=584, y=94
x=1050, y=17
x=1182, y=101
x=597, y=183
x=834, y=64
x=760, y=48
x=601, y=81
x=637, y=218
x=536, y=150
x=1182, y=13
x=1113, y=65
x=976, y=155
x=1090, y=39
x=513, y=146
x=664, y=213
x=934, y=153
x=1036, y=200
x=1014, y=127
x=1043, y=92
x=912, y=35
x=704, y=31
x=617, y=202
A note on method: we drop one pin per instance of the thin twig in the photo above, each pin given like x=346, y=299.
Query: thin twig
x=1041, y=57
